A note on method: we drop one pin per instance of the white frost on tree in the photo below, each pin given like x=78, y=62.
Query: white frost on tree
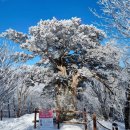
x=115, y=16
x=73, y=54
x=7, y=74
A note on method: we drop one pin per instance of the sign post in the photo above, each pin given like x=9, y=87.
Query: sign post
x=46, y=119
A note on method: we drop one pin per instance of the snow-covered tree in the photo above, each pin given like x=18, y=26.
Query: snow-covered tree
x=126, y=73
x=7, y=75
x=30, y=83
x=115, y=16
x=116, y=19
x=23, y=90
x=72, y=52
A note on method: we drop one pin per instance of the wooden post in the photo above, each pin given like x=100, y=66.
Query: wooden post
x=35, y=118
x=1, y=115
x=85, y=118
x=58, y=125
x=94, y=122
x=58, y=119
x=114, y=126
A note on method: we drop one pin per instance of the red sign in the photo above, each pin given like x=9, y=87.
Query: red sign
x=46, y=114
x=46, y=119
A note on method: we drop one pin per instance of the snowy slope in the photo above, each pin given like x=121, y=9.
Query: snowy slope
x=22, y=123
x=25, y=123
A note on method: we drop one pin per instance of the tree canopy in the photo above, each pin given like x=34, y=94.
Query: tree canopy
x=73, y=53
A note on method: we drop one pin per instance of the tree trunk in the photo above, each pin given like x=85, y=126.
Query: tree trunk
x=57, y=97
x=127, y=110
x=58, y=102
x=74, y=84
x=24, y=104
x=19, y=107
x=105, y=114
x=127, y=115
x=62, y=70
x=14, y=107
x=8, y=109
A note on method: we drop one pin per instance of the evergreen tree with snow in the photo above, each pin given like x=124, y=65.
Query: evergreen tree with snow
x=73, y=55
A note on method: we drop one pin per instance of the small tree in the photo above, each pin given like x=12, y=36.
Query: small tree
x=7, y=75
x=72, y=53
x=25, y=85
x=23, y=90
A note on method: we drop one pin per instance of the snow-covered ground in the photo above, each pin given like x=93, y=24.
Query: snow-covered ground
x=22, y=123
x=25, y=123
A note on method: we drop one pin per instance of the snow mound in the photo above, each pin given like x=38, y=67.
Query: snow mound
x=22, y=123
x=70, y=127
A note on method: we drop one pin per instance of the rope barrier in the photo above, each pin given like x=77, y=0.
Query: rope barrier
x=84, y=122
x=89, y=122
x=103, y=125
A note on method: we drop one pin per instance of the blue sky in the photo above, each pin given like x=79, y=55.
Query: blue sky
x=21, y=14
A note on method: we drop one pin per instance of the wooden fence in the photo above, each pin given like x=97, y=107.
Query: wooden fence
x=84, y=121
